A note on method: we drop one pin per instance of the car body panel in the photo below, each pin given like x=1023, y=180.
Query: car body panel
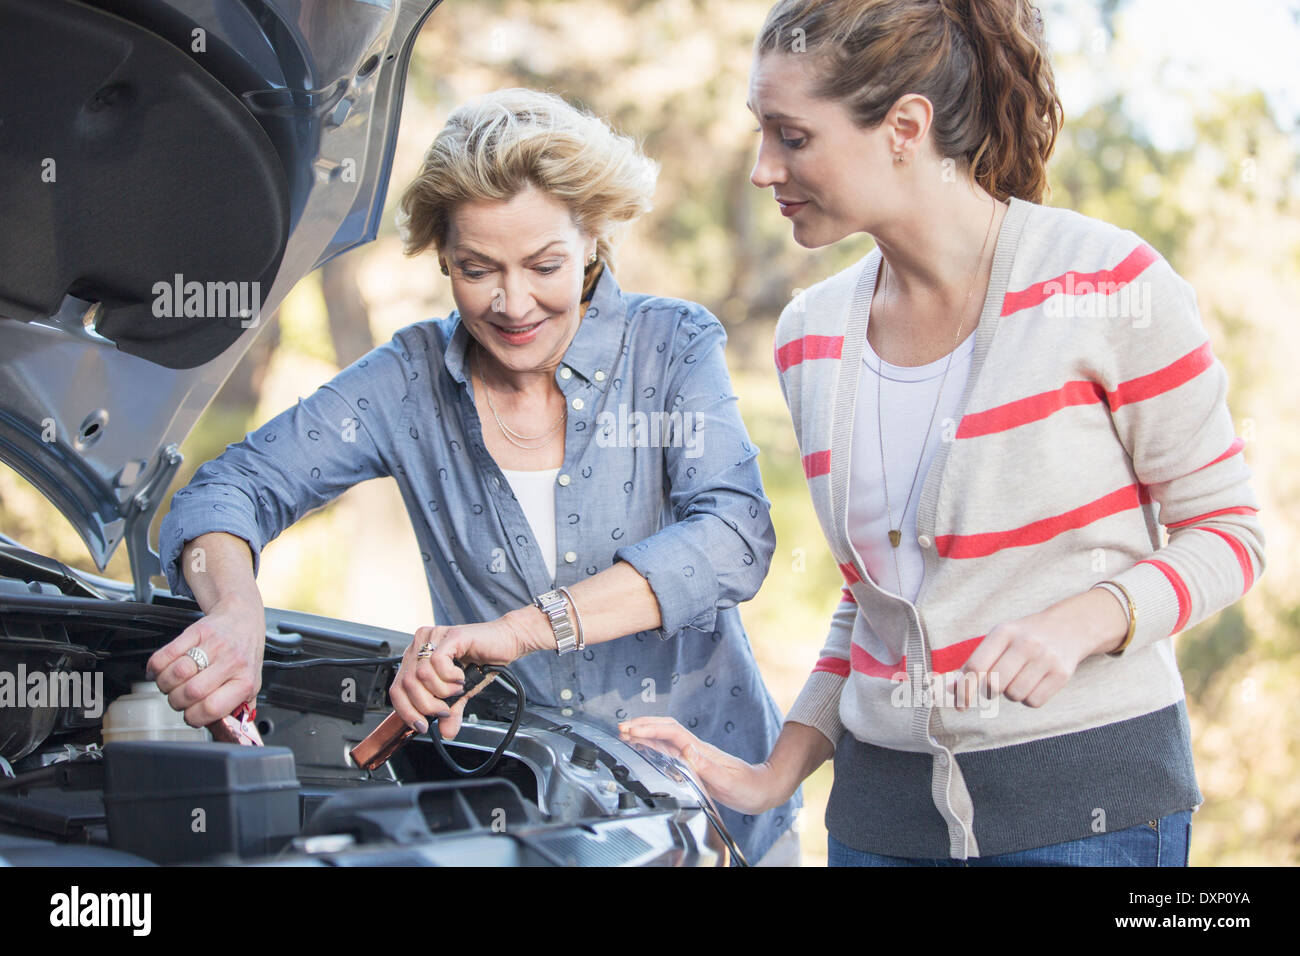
x=95, y=426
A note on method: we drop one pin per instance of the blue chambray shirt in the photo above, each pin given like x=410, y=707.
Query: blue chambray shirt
x=679, y=497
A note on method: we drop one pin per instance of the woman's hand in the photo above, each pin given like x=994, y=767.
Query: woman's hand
x=232, y=634
x=422, y=687
x=1032, y=658
x=730, y=781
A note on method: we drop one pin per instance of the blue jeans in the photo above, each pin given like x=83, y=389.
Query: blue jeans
x=1166, y=844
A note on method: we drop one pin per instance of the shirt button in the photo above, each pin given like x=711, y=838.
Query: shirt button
x=566, y=372
x=496, y=482
x=566, y=694
x=570, y=556
x=563, y=479
x=924, y=541
x=599, y=376
x=567, y=711
x=578, y=403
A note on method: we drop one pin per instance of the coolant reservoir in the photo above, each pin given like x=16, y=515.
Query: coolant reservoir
x=144, y=714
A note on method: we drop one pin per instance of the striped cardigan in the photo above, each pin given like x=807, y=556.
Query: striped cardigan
x=1094, y=414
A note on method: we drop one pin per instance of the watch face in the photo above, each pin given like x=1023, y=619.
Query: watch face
x=554, y=607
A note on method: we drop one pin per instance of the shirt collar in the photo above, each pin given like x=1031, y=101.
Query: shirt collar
x=595, y=347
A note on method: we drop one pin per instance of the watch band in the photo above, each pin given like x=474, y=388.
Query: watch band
x=582, y=639
x=556, y=610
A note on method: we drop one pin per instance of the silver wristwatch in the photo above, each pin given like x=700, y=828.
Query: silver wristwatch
x=556, y=609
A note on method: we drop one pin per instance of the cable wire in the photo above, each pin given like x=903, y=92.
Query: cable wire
x=334, y=662
x=521, y=702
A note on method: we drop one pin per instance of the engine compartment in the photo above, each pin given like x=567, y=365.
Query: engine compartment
x=565, y=792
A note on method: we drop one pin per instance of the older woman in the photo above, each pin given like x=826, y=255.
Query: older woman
x=586, y=500
x=997, y=409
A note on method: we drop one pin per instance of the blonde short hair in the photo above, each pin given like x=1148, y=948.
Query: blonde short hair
x=496, y=146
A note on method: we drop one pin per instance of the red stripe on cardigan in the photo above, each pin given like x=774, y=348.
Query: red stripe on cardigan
x=1180, y=589
x=1239, y=510
x=1068, y=283
x=1002, y=418
x=1243, y=558
x=847, y=595
x=864, y=663
x=986, y=543
x=817, y=463
x=833, y=665
x=850, y=573
x=942, y=660
x=1237, y=445
x=1157, y=383
x=806, y=348
x=1022, y=411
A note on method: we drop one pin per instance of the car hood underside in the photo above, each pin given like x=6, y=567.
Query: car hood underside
x=169, y=170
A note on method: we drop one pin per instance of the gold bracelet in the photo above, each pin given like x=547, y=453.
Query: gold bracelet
x=577, y=619
x=1132, y=616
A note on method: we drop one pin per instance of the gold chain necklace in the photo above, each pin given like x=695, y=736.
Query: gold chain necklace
x=510, y=433
x=896, y=534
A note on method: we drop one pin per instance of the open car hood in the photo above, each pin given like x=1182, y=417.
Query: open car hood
x=169, y=169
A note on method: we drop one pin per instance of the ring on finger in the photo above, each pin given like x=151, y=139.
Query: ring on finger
x=198, y=656
x=426, y=651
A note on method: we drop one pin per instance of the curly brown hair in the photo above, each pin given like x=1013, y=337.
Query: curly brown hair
x=982, y=64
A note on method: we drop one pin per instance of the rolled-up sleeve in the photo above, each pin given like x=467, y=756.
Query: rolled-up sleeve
x=298, y=461
x=717, y=551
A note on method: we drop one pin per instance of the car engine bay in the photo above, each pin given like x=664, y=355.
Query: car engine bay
x=564, y=791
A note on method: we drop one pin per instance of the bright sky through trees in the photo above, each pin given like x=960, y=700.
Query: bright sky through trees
x=1169, y=53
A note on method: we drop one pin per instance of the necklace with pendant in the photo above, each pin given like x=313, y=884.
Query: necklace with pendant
x=896, y=534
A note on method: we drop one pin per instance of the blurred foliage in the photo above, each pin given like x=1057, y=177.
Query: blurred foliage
x=1222, y=209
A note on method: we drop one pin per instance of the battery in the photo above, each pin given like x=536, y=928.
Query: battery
x=187, y=802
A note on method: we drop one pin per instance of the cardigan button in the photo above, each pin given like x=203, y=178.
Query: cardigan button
x=924, y=541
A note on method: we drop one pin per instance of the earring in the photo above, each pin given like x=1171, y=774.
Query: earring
x=592, y=260
x=898, y=158
x=443, y=267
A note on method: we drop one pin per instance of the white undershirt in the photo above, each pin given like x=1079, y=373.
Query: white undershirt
x=907, y=396
x=536, y=493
